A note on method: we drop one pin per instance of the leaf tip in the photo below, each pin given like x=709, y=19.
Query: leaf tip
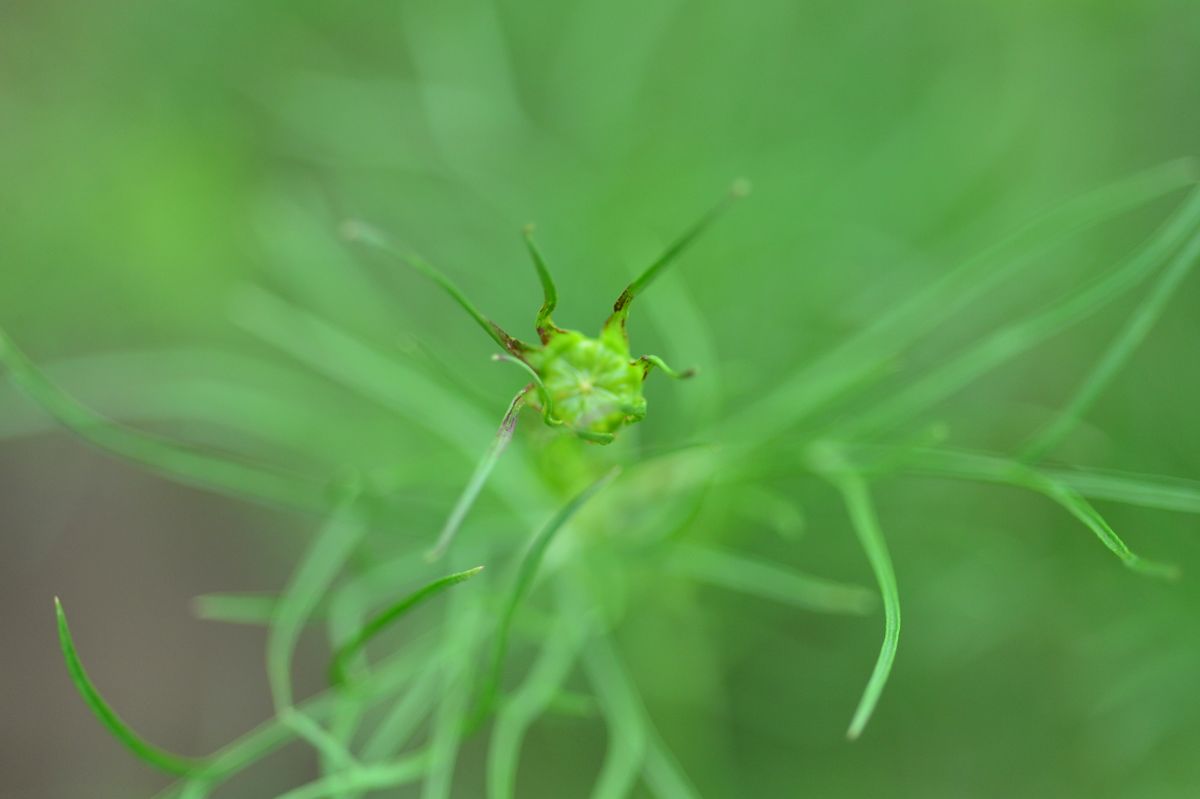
x=859, y=722
x=1150, y=568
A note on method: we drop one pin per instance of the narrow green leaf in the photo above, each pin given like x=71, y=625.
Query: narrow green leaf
x=362, y=368
x=769, y=581
x=458, y=658
x=1147, y=491
x=543, y=393
x=347, y=612
x=272, y=734
x=381, y=621
x=398, y=725
x=1154, y=491
x=1014, y=339
x=857, y=499
x=521, y=586
x=625, y=712
x=364, y=778
x=544, y=322
x=572, y=704
x=332, y=750
x=249, y=397
x=307, y=587
x=311, y=262
x=664, y=776
x=196, y=789
x=186, y=464
x=971, y=466
x=1078, y=507
x=253, y=609
x=868, y=354
x=339, y=355
x=1118, y=352
x=627, y=734
x=359, y=231
x=466, y=500
x=560, y=647
x=640, y=283
x=164, y=761
x=654, y=361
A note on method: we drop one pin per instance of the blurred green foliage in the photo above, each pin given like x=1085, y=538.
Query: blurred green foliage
x=159, y=157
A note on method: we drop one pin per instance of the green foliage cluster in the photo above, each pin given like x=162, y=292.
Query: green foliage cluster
x=971, y=432
x=455, y=678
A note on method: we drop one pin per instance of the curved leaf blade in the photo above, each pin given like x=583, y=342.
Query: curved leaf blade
x=162, y=760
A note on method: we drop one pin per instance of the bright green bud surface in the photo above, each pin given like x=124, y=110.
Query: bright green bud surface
x=594, y=384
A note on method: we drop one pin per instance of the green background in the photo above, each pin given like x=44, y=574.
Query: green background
x=156, y=158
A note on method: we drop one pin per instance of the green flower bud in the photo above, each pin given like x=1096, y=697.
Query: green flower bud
x=594, y=385
x=590, y=386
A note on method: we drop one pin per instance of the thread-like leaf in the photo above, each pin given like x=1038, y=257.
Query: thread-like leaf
x=868, y=354
x=196, y=789
x=347, y=613
x=663, y=774
x=364, y=778
x=160, y=759
x=331, y=351
x=857, y=499
x=183, y=463
x=253, y=609
x=466, y=500
x=1078, y=507
x=1001, y=346
x=1118, y=352
x=767, y=580
x=971, y=466
x=333, y=751
x=620, y=313
x=308, y=585
x=384, y=619
x=1155, y=491
x=862, y=514
x=544, y=322
x=521, y=586
x=457, y=654
x=1147, y=491
x=543, y=393
x=341, y=356
x=251, y=398
x=626, y=715
x=358, y=231
x=627, y=734
x=405, y=715
x=306, y=589
x=274, y=733
x=651, y=361
x=559, y=651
